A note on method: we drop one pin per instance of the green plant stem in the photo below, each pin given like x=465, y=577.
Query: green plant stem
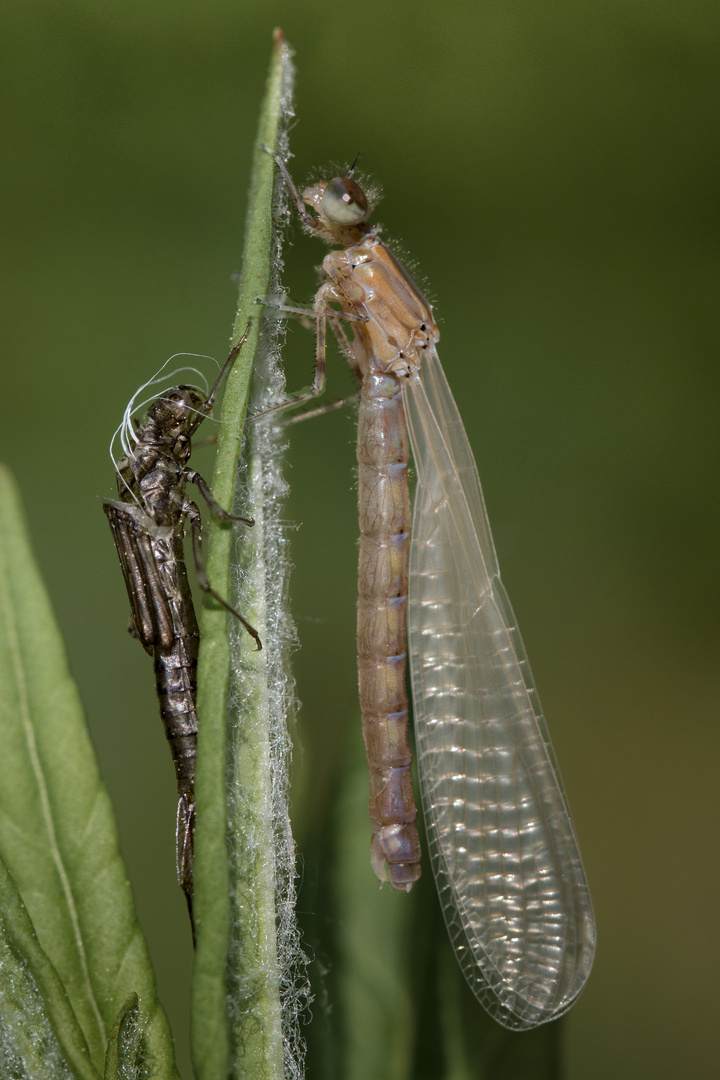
x=210, y=1034
x=256, y=1035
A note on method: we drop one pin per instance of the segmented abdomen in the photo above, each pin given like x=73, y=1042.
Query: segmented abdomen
x=384, y=505
x=176, y=662
x=153, y=565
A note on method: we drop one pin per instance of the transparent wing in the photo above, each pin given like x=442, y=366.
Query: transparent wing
x=502, y=843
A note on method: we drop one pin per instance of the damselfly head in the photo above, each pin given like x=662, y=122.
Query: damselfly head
x=341, y=204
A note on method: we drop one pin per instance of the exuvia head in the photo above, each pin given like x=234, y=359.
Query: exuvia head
x=176, y=410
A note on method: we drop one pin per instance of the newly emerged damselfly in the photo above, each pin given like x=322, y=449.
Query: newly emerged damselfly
x=147, y=523
x=502, y=842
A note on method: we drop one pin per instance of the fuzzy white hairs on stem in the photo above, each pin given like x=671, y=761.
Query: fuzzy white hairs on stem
x=261, y=585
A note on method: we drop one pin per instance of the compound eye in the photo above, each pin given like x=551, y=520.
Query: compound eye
x=343, y=202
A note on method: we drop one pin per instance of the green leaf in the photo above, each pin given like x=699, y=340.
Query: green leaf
x=126, y=1051
x=58, y=837
x=210, y=1027
x=39, y=1033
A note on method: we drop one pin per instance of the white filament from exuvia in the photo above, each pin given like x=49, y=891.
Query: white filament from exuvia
x=125, y=431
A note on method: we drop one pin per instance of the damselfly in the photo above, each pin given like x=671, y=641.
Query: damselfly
x=502, y=843
x=147, y=523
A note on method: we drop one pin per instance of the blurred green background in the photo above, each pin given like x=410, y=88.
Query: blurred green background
x=552, y=172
